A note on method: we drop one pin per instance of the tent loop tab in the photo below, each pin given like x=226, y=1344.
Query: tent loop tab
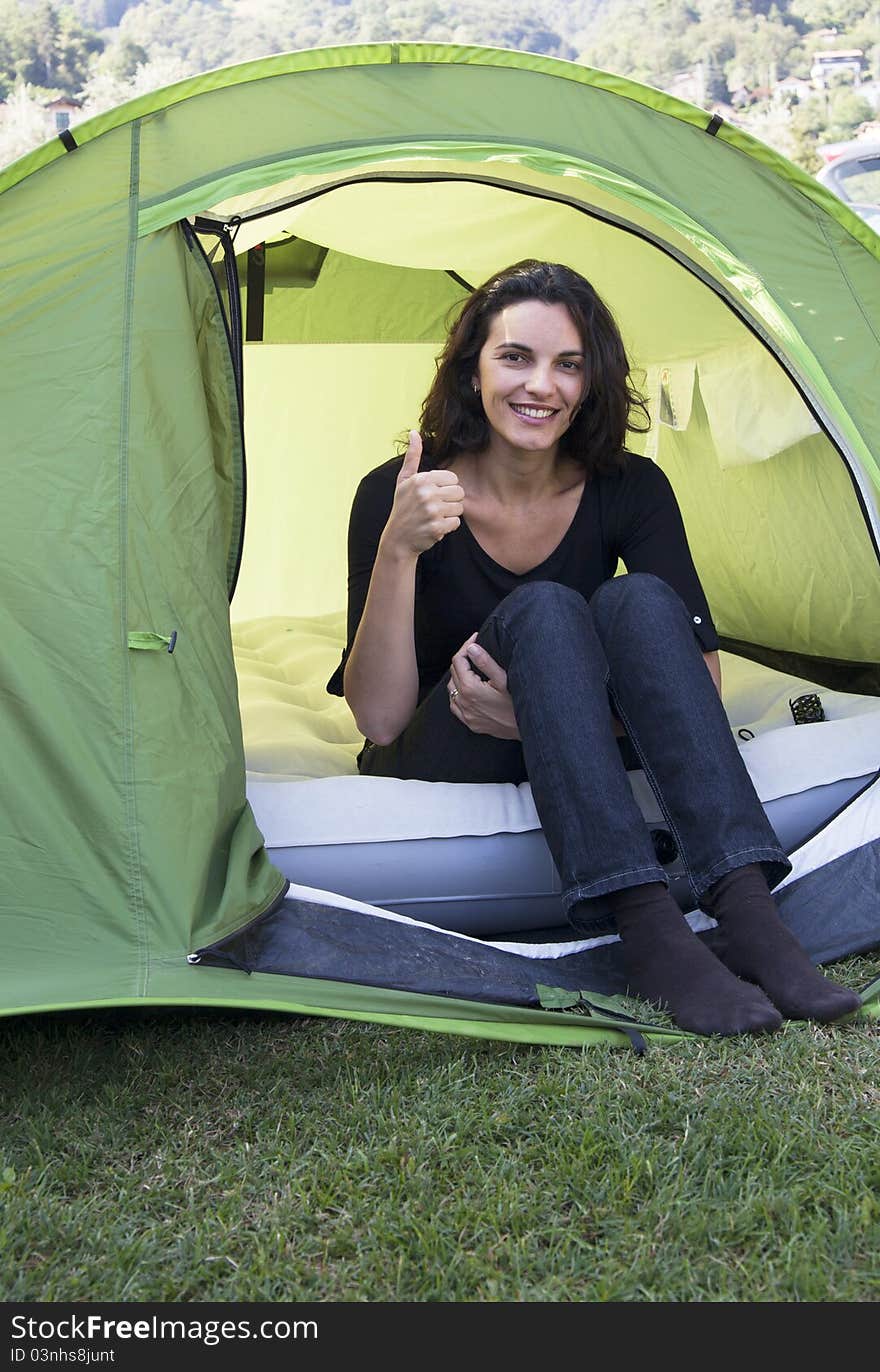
x=714, y=125
x=151, y=642
x=67, y=138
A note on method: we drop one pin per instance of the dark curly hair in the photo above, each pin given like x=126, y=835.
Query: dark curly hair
x=452, y=417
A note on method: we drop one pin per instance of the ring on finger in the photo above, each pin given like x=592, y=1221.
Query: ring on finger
x=453, y=693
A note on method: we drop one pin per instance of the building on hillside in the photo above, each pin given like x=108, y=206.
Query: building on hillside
x=836, y=63
x=61, y=113
x=793, y=88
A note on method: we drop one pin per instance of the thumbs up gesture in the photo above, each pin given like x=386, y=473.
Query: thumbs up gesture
x=427, y=505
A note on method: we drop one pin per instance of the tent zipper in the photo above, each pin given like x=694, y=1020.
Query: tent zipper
x=232, y=323
x=225, y=234
x=233, y=295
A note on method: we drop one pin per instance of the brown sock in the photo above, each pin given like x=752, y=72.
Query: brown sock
x=755, y=944
x=667, y=964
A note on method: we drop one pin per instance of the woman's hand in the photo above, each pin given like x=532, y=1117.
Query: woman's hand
x=484, y=707
x=427, y=505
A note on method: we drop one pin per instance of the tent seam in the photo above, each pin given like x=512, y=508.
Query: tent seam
x=855, y=295
x=133, y=855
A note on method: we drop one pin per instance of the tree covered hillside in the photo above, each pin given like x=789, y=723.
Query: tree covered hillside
x=742, y=43
x=751, y=59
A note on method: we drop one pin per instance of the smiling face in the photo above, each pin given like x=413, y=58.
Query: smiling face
x=532, y=376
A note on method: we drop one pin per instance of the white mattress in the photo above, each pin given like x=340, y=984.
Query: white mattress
x=301, y=745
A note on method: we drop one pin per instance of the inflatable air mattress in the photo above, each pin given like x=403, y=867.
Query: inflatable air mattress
x=472, y=858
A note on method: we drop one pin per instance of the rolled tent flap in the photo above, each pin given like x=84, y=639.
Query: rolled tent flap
x=753, y=410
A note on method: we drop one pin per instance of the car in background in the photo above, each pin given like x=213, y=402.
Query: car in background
x=852, y=171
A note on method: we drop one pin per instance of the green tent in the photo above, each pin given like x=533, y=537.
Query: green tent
x=293, y=232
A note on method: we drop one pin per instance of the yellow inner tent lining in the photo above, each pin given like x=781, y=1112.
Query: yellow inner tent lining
x=766, y=498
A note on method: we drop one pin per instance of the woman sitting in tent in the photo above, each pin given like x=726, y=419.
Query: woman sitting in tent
x=490, y=641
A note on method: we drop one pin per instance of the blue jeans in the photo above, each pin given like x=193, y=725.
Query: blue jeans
x=632, y=650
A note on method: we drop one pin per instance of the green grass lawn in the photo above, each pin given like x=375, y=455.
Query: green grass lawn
x=253, y=1157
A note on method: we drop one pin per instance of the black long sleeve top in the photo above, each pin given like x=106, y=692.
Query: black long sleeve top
x=629, y=515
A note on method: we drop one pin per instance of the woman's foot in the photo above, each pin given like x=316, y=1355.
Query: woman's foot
x=666, y=963
x=755, y=944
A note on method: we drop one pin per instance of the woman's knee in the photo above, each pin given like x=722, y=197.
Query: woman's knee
x=537, y=611
x=544, y=598
x=638, y=597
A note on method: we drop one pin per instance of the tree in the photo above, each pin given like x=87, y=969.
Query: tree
x=121, y=60
x=105, y=90
x=24, y=123
x=52, y=49
x=8, y=23
x=829, y=117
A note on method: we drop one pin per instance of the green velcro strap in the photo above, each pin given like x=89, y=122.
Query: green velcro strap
x=152, y=642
